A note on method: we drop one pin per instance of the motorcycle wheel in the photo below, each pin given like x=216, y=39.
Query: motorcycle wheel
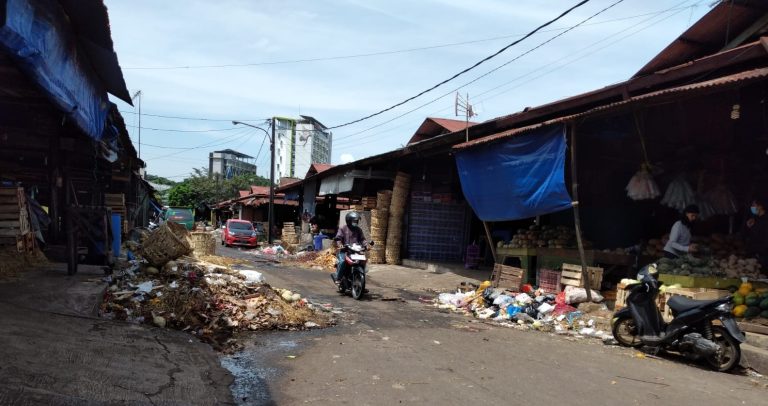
x=358, y=285
x=729, y=355
x=625, y=332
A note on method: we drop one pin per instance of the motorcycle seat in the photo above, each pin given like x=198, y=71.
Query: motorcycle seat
x=679, y=304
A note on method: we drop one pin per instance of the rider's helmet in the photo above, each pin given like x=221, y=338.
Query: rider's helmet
x=352, y=219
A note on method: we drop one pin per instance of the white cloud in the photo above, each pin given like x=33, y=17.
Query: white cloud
x=346, y=158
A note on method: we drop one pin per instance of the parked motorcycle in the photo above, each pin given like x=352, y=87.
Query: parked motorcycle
x=700, y=328
x=352, y=278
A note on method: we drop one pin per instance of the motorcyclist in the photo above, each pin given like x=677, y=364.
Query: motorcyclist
x=348, y=234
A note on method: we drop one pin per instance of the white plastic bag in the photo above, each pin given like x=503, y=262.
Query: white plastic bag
x=574, y=295
x=252, y=277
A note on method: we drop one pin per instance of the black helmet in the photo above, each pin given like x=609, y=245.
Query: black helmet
x=352, y=219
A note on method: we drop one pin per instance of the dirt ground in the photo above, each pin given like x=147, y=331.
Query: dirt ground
x=55, y=350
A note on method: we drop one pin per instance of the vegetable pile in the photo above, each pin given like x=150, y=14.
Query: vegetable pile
x=543, y=237
x=749, y=302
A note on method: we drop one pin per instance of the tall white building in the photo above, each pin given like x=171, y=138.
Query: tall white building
x=298, y=144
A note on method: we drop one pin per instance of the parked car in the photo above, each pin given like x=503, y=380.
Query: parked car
x=239, y=232
x=180, y=215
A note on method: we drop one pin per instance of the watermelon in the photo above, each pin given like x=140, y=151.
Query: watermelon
x=752, y=312
x=764, y=314
x=764, y=304
x=752, y=300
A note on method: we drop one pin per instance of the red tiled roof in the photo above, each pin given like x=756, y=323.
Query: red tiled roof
x=244, y=193
x=260, y=190
x=432, y=127
x=322, y=167
x=452, y=125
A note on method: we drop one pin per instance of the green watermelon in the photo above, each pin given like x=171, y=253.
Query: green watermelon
x=752, y=299
x=764, y=304
x=752, y=312
x=764, y=314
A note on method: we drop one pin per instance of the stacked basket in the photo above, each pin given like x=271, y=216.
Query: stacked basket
x=289, y=234
x=396, y=212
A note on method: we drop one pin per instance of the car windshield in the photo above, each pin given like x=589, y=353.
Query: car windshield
x=179, y=214
x=240, y=226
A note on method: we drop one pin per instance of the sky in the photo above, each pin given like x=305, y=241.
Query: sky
x=200, y=64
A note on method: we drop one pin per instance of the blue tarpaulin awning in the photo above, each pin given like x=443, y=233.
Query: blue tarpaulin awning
x=518, y=178
x=38, y=36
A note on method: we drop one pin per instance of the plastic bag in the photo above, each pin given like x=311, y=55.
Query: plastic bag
x=574, y=295
x=502, y=299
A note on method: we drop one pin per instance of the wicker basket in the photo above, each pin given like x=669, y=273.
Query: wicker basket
x=383, y=199
x=168, y=242
x=203, y=243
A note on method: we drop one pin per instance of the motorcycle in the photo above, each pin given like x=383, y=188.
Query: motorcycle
x=699, y=329
x=352, y=278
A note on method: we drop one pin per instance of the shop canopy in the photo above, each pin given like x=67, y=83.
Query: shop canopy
x=516, y=178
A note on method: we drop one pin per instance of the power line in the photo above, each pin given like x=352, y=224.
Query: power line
x=188, y=118
x=492, y=70
x=676, y=9
x=467, y=69
x=361, y=55
x=207, y=145
x=183, y=131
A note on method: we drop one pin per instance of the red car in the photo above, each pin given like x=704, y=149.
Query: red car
x=239, y=232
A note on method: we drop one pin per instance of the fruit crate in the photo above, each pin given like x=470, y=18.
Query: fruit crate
x=690, y=293
x=621, y=298
x=549, y=280
x=507, y=277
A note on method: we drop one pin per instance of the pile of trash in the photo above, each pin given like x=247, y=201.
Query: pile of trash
x=210, y=297
x=13, y=262
x=567, y=312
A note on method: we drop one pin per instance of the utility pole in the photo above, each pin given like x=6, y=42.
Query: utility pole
x=271, y=210
x=272, y=183
x=135, y=95
x=462, y=106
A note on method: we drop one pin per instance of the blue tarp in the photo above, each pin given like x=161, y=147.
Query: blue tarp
x=38, y=35
x=518, y=178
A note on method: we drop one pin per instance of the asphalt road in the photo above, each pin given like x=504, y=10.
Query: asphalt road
x=385, y=352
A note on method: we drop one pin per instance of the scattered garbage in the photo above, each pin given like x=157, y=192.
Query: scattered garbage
x=535, y=309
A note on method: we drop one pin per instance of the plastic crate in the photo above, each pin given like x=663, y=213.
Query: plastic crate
x=549, y=280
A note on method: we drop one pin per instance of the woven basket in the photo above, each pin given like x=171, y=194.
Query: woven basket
x=168, y=242
x=383, y=199
x=203, y=243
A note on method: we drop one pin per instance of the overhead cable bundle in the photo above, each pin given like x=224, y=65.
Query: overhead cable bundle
x=642, y=186
x=679, y=194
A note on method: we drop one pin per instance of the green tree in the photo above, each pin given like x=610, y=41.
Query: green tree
x=201, y=190
x=159, y=180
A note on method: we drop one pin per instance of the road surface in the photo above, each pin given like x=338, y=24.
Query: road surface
x=386, y=351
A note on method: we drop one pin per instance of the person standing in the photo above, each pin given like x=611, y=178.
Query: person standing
x=679, y=242
x=756, y=233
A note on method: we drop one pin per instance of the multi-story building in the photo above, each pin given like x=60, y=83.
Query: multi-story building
x=298, y=144
x=229, y=163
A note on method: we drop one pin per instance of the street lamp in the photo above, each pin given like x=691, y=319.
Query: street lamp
x=271, y=137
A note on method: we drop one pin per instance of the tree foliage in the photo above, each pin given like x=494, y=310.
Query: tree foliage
x=201, y=191
x=159, y=180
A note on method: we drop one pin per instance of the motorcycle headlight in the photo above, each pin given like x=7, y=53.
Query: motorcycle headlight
x=725, y=307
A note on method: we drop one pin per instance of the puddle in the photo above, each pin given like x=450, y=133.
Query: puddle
x=254, y=368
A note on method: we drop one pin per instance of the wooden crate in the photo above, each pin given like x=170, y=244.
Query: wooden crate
x=572, y=276
x=691, y=293
x=14, y=219
x=507, y=277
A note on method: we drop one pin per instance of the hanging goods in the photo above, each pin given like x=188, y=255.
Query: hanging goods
x=679, y=194
x=642, y=186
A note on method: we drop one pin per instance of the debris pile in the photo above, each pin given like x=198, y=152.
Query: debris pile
x=12, y=262
x=567, y=312
x=211, y=297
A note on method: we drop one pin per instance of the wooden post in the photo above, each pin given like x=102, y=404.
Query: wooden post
x=490, y=241
x=576, y=220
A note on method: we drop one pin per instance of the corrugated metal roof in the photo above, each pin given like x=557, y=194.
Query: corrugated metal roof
x=736, y=79
x=726, y=22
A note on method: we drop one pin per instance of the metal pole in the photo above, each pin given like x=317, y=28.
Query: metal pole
x=576, y=220
x=272, y=183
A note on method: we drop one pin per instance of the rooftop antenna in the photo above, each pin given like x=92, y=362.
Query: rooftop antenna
x=462, y=107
